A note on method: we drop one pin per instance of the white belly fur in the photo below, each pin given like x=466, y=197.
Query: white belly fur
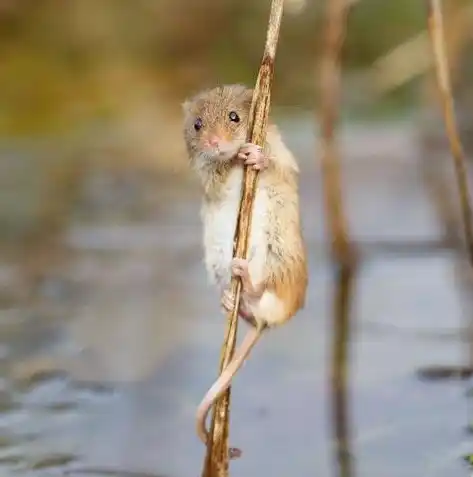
x=219, y=228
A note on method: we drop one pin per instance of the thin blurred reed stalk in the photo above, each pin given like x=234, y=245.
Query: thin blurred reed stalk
x=343, y=255
x=442, y=74
x=436, y=30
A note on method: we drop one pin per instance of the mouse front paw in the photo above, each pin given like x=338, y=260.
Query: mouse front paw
x=252, y=155
x=228, y=301
x=240, y=268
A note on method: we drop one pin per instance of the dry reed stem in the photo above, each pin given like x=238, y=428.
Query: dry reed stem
x=343, y=255
x=216, y=460
x=442, y=74
x=437, y=36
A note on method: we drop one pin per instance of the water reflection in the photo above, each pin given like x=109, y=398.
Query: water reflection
x=103, y=369
x=340, y=368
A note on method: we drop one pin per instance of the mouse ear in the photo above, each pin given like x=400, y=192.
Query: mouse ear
x=186, y=106
x=249, y=96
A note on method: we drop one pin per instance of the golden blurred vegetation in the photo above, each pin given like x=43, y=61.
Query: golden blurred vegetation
x=78, y=64
x=98, y=83
x=82, y=65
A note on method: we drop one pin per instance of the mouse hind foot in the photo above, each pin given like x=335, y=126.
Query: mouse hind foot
x=234, y=453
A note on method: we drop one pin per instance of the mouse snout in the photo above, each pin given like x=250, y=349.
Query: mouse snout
x=217, y=144
x=213, y=140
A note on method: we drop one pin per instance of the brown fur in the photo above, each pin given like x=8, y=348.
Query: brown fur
x=285, y=272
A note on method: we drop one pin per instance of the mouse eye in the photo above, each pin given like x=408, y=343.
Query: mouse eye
x=198, y=124
x=234, y=117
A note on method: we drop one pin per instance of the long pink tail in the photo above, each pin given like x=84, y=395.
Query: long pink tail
x=223, y=381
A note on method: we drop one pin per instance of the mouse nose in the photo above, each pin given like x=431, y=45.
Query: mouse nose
x=213, y=140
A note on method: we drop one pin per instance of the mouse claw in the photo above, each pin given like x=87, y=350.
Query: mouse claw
x=253, y=155
x=228, y=301
x=240, y=269
x=234, y=453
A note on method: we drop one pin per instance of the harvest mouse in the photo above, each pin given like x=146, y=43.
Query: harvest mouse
x=274, y=278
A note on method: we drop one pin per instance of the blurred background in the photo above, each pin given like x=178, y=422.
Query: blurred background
x=109, y=333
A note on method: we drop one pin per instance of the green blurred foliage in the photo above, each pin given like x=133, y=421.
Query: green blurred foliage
x=64, y=63
x=376, y=26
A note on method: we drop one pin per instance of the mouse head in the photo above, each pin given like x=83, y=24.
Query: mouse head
x=216, y=122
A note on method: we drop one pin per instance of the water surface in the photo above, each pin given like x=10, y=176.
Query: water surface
x=104, y=370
